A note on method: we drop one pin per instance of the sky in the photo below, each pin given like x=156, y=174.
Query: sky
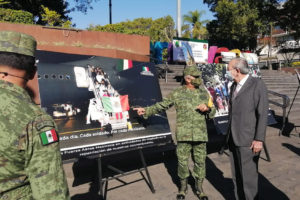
x=123, y=10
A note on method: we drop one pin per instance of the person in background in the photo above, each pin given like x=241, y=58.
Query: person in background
x=248, y=114
x=30, y=161
x=193, y=104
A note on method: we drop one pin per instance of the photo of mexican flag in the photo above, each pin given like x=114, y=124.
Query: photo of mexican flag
x=124, y=64
x=115, y=104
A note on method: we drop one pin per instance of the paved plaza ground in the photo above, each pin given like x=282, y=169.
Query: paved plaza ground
x=280, y=178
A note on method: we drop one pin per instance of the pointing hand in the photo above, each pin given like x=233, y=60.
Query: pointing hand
x=140, y=111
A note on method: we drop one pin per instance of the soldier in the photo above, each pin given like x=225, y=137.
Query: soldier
x=193, y=103
x=30, y=161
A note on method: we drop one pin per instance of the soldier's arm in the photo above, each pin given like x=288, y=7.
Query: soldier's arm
x=166, y=103
x=43, y=164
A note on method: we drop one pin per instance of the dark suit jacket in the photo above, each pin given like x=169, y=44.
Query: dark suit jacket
x=248, y=112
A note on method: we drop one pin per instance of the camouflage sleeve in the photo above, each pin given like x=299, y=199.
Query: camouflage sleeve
x=160, y=106
x=43, y=164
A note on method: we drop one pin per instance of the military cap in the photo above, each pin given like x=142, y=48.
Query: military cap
x=192, y=70
x=15, y=42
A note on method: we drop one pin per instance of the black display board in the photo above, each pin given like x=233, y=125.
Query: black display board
x=92, y=98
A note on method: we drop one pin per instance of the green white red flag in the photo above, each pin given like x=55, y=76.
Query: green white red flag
x=145, y=69
x=115, y=104
x=124, y=64
x=49, y=137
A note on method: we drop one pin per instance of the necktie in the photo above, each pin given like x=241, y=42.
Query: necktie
x=236, y=91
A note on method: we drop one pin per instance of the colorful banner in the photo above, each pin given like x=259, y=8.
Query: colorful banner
x=184, y=48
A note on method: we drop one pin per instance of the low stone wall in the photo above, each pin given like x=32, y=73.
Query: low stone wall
x=75, y=41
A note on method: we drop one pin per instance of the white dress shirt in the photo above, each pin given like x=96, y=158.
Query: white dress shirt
x=240, y=85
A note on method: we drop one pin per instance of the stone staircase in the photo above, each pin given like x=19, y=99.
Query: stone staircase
x=277, y=81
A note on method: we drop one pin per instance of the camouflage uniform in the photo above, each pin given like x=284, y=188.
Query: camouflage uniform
x=28, y=168
x=191, y=132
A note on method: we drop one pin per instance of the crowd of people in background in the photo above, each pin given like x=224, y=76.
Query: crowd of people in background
x=99, y=82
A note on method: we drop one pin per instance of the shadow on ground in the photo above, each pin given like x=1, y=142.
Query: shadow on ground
x=288, y=128
x=86, y=170
x=268, y=191
x=294, y=149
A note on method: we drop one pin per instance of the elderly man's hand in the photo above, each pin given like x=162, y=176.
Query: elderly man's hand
x=140, y=111
x=256, y=146
x=203, y=107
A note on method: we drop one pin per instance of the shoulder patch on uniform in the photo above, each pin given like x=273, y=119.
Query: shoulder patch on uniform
x=49, y=137
x=42, y=124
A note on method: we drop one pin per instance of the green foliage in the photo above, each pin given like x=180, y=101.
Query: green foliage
x=16, y=16
x=50, y=16
x=240, y=21
x=194, y=26
x=84, y=5
x=296, y=64
x=161, y=29
x=3, y=2
x=35, y=7
x=290, y=17
x=67, y=24
x=237, y=24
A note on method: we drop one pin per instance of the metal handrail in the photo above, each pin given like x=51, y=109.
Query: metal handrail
x=284, y=105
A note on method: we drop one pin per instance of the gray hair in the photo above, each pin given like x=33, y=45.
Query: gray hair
x=241, y=64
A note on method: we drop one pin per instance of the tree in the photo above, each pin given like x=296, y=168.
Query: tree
x=236, y=26
x=35, y=7
x=84, y=5
x=50, y=17
x=194, y=26
x=267, y=11
x=290, y=17
x=161, y=29
x=16, y=16
x=3, y=2
x=212, y=4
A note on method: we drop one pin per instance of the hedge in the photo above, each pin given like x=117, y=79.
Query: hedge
x=16, y=16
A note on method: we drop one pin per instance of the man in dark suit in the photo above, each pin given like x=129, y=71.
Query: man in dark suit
x=248, y=112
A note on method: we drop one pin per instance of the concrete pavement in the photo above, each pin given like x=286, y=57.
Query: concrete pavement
x=280, y=178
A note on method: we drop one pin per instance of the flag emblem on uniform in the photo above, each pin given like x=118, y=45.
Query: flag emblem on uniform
x=124, y=64
x=49, y=137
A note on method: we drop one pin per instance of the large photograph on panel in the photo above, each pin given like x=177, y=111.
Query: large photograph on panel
x=92, y=98
x=218, y=83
